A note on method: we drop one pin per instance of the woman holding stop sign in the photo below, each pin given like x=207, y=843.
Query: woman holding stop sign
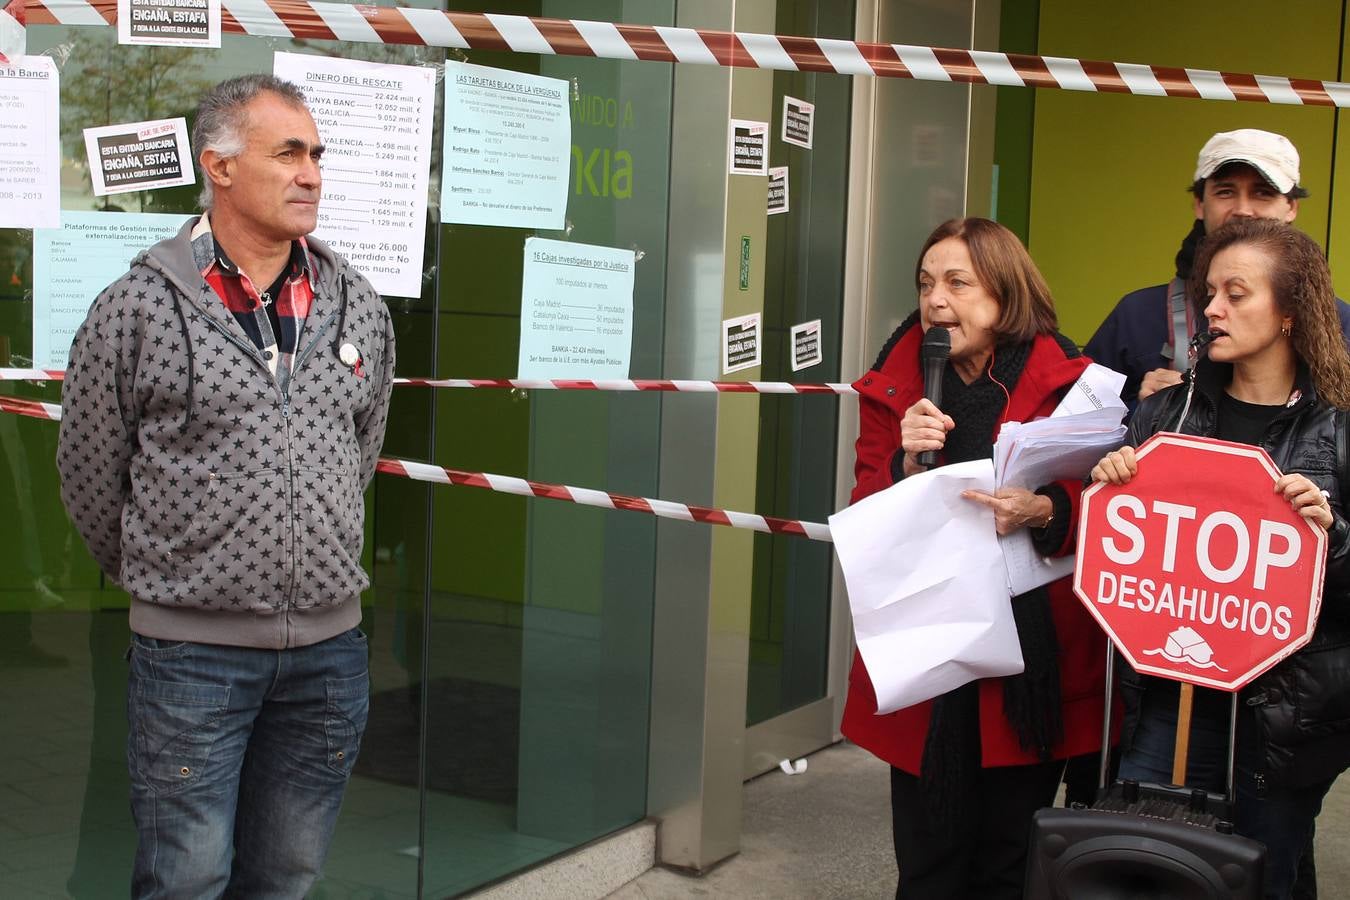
x=1274, y=372
x=969, y=769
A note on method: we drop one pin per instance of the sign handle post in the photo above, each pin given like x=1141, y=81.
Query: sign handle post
x=1183, y=734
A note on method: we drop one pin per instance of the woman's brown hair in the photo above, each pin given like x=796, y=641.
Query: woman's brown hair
x=1301, y=282
x=1006, y=271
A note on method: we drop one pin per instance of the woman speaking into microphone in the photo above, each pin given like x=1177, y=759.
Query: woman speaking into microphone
x=969, y=768
x=1275, y=374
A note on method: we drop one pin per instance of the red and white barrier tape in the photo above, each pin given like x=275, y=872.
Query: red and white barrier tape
x=608, y=40
x=511, y=485
x=555, y=384
x=31, y=374
x=691, y=387
x=35, y=408
x=666, y=509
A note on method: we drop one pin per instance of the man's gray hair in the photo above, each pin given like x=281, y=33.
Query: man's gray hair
x=221, y=120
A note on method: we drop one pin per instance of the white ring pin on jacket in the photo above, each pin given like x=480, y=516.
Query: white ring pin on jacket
x=349, y=355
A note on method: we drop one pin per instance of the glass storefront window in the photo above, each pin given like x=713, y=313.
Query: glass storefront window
x=510, y=640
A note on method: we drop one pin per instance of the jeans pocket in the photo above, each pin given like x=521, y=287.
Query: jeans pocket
x=176, y=725
x=157, y=649
x=345, y=720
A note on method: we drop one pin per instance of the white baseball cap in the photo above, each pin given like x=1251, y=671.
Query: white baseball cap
x=1268, y=153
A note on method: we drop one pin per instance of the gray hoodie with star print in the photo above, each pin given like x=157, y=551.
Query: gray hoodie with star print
x=230, y=507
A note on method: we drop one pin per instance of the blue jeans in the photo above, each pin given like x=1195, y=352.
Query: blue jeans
x=239, y=758
x=1280, y=817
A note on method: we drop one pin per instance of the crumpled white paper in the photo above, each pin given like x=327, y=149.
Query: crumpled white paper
x=927, y=586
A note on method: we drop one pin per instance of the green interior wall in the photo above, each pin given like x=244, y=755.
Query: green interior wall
x=1011, y=200
x=1108, y=203
x=479, y=337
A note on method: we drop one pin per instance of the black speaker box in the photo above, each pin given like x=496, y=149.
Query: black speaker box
x=1115, y=854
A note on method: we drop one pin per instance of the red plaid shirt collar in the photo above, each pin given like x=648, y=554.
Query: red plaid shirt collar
x=276, y=336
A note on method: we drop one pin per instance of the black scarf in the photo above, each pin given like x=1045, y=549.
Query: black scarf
x=1031, y=701
x=1186, y=255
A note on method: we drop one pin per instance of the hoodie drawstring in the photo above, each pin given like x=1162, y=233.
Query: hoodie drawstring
x=342, y=318
x=191, y=363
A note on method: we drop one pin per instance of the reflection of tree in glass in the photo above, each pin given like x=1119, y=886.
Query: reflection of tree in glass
x=16, y=266
x=108, y=84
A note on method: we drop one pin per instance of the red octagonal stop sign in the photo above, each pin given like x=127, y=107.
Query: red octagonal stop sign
x=1197, y=569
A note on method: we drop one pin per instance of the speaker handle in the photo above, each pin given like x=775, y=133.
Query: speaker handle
x=1105, y=765
x=1230, y=795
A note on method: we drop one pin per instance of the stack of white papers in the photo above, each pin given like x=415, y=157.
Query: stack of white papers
x=1083, y=428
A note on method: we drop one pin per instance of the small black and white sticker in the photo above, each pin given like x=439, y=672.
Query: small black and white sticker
x=806, y=345
x=740, y=343
x=778, y=190
x=799, y=122
x=748, y=147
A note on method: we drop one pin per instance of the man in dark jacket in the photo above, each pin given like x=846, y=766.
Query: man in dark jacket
x=1247, y=172
x=224, y=408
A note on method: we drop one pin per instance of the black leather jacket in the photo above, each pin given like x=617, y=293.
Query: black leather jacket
x=1302, y=706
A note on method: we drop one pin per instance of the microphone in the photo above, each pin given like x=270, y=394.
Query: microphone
x=1199, y=344
x=1194, y=350
x=933, y=353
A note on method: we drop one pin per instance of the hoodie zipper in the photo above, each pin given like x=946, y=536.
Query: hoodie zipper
x=293, y=530
x=285, y=397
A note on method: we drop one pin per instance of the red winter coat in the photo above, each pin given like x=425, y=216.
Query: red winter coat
x=898, y=738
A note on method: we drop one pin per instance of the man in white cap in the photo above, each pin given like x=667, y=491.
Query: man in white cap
x=1247, y=172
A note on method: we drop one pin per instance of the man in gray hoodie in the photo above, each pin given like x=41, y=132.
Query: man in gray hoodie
x=225, y=404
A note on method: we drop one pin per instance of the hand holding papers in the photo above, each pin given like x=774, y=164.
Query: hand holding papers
x=1083, y=428
x=929, y=580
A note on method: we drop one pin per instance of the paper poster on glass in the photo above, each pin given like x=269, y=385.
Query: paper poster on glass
x=30, y=144
x=799, y=122
x=169, y=23
x=74, y=263
x=375, y=123
x=747, y=147
x=507, y=148
x=740, y=343
x=139, y=156
x=576, y=311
